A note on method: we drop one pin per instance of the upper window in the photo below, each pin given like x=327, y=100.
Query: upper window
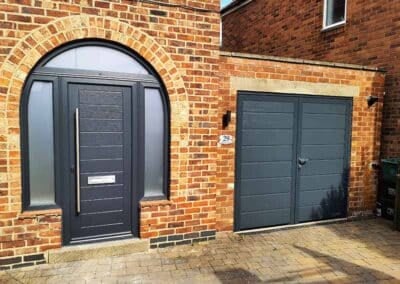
x=334, y=13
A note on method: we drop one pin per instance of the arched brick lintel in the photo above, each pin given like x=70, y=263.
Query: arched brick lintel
x=30, y=49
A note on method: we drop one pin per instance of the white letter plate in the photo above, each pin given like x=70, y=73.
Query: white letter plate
x=101, y=180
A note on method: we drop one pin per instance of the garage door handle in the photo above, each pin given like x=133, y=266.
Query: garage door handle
x=303, y=161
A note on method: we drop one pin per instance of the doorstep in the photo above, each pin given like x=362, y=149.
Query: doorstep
x=97, y=250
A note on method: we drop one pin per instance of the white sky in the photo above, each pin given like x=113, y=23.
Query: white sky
x=225, y=2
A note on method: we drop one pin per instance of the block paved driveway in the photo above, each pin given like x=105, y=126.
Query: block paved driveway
x=361, y=251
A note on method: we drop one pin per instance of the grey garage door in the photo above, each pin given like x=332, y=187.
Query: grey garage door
x=292, y=159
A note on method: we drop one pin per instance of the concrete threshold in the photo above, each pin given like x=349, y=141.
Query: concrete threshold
x=294, y=226
x=97, y=250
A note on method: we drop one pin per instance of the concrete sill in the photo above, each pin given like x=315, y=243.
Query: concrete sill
x=333, y=27
x=44, y=212
x=155, y=202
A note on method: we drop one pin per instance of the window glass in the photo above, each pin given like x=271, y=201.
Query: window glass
x=335, y=11
x=154, y=143
x=97, y=58
x=41, y=144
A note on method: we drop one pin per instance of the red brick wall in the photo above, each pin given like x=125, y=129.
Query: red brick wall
x=181, y=44
x=366, y=126
x=292, y=28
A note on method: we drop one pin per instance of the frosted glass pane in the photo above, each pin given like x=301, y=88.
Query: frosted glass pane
x=335, y=11
x=97, y=58
x=41, y=144
x=154, y=143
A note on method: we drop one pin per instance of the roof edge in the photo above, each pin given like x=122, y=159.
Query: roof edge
x=301, y=61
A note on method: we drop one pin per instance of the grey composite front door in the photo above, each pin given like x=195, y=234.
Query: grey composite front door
x=101, y=121
x=292, y=156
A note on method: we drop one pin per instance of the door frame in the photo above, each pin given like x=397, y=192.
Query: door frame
x=24, y=141
x=284, y=97
x=55, y=75
x=65, y=163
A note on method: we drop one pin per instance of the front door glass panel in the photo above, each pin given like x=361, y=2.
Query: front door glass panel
x=97, y=58
x=41, y=142
x=154, y=141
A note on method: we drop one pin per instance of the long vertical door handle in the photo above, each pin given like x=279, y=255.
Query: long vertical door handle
x=77, y=158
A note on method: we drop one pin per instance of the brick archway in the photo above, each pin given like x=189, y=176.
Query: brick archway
x=25, y=55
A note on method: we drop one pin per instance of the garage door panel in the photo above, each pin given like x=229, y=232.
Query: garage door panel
x=267, y=120
x=323, y=133
x=319, y=181
x=264, y=202
x=267, y=153
x=324, y=108
x=335, y=209
x=261, y=186
x=266, y=170
x=267, y=137
x=264, y=219
x=273, y=132
x=322, y=168
x=322, y=197
x=323, y=136
x=268, y=106
x=323, y=152
x=324, y=121
x=266, y=149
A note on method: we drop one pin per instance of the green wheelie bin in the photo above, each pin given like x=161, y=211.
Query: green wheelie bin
x=389, y=189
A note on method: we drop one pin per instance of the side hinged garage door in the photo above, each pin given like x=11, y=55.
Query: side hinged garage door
x=292, y=159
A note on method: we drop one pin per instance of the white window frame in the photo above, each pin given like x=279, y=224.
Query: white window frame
x=324, y=20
